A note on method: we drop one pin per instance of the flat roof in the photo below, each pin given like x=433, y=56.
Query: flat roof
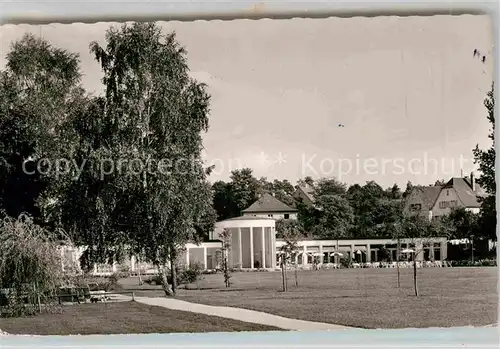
x=247, y=218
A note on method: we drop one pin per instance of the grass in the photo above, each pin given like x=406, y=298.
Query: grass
x=367, y=298
x=122, y=318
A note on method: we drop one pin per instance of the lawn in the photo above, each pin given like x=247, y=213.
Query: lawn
x=122, y=318
x=367, y=298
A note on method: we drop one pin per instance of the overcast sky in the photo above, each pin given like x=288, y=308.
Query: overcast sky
x=407, y=91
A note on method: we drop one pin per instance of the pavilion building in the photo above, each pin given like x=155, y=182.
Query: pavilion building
x=253, y=245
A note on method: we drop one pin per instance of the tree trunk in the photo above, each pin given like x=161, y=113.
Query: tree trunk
x=397, y=261
x=227, y=275
x=173, y=274
x=399, y=283
x=296, y=275
x=139, y=272
x=415, y=274
x=164, y=281
x=37, y=299
x=283, y=274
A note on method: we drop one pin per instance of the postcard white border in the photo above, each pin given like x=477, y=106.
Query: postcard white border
x=45, y=12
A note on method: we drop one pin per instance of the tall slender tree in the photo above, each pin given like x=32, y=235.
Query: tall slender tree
x=143, y=189
x=486, y=161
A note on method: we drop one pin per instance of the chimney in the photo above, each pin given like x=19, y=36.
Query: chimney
x=472, y=182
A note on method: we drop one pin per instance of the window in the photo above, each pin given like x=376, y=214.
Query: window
x=447, y=192
x=287, y=216
x=446, y=204
x=270, y=215
x=415, y=207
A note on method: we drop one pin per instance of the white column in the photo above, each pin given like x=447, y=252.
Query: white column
x=273, y=247
x=304, y=255
x=240, y=255
x=368, y=253
x=263, y=247
x=251, y=248
x=132, y=263
x=353, y=254
x=205, y=264
x=187, y=257
x=443, y=253
x=321, y=253
x=419, y=250
x=95, y=268
x=113, y=267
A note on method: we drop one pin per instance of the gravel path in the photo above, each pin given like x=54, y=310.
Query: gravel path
x=245, y=315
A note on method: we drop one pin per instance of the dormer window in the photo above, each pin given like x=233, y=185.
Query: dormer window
x=447, y=192
x=287, y=216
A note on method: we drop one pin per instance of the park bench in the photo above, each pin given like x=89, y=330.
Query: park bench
x=72, y=294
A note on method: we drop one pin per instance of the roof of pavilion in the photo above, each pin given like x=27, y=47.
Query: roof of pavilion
x=268, y=203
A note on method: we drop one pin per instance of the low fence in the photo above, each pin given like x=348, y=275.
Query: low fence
x=83, y=296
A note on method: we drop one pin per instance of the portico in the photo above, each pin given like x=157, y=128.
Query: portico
x=252, y=242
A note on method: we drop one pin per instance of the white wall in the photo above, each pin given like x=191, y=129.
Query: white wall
x=447, y=195
x=275, y=215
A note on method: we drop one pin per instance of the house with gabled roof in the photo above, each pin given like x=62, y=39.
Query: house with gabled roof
x=437, y=201
x=267, y=206
x=304, y=194
x=421, y=200
x=458, y=192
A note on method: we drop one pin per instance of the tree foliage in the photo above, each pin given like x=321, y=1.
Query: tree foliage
x=486, y=161
x=143, y=188
x=462, y=223
x=226, y=236
x=30, y=264
x=335, y=217
x=39, y=92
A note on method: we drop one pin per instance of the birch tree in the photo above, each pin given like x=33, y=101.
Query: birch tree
x=291, y=231
x=143, y=187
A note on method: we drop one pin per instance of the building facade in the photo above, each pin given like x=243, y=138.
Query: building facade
x=438, y=201
x=253, y=243
x=305, y=195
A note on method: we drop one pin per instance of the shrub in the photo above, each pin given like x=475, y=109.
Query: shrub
x=345, y=262
x=155, y=279
x=192, y=274
x=30, y=265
